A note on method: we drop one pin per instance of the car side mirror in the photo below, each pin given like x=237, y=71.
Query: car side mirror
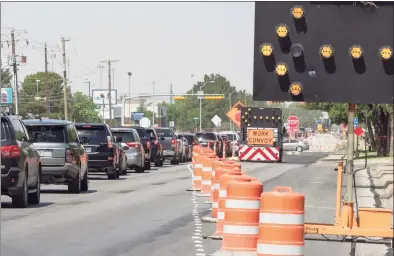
x=125, y=148
x=162, y=138
x=118, y=139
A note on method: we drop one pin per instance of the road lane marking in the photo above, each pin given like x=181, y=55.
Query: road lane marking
x=197, y=237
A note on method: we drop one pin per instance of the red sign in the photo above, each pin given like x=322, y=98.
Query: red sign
x=293, y=122
x=358, y=131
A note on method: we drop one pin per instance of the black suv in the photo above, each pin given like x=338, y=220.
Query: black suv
x=63, y=157
x=20, y=163
x=213, y=140
x=156, y=147
x=170, y=144
x=145, y=140
x=103, y=153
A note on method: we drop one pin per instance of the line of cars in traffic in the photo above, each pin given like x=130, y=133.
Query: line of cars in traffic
x=48, y=151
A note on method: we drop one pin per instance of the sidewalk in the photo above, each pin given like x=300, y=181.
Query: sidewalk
x=375, y=186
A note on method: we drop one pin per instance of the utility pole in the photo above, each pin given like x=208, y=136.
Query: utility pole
x=109, y=89
x=46, y=79
x=129, y=74
x=153, y=103
x=15, y=69
x=65, y=77
x=101, y=68
x=171, y=93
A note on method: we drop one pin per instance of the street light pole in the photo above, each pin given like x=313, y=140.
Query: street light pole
x=37, y=81
x=129, y=74
x=153, y=103
x=201, y=95
x=229, y=99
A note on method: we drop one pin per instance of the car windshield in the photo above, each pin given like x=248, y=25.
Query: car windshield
x=52, y=133
x=206, y=136
x=96, y=134
x=231, y=137
x=126, y=136
x=142, y=133
x=151, y=133
x=189, y=138
x=164, y=133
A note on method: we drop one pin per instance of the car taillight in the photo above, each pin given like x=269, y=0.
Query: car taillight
x=156, y=142
x=148, y=145
x=109, y=140
x=68, y=155
x=11, y=151
x=173, y=141
x=132, y=144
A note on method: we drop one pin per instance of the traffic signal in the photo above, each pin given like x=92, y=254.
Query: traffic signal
x=300, y=57
x=179, y=97
x=214, y=97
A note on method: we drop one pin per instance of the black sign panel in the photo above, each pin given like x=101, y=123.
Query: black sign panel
x=358, y=76
x=261, y=117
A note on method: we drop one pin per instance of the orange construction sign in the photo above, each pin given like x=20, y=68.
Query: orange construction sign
x=235, y=113
x=260, y=137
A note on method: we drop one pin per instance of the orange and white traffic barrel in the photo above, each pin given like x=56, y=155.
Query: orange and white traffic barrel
x=207, y=174
x=242, y=208
x=281, y=224
x=216, y=186
x=224, y=180
x=215, y=165
x=197, y=172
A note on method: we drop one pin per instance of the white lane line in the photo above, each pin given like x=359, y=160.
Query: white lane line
x=197, y=237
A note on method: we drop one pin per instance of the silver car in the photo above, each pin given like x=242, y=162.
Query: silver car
x=130, y=142
x=295, y=145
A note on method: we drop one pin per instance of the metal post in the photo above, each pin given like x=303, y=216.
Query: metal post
x=229, y=99
x=200, y=113
x=129, y=74
x=14, y=65
x=109, y=93
x=350, y=152
x=46, y=80
x=64, y=78
x=153, y=103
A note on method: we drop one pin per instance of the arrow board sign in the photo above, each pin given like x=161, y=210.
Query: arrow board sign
x=216, y=120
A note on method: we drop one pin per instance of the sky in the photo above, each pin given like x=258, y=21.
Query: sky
x=165, y=42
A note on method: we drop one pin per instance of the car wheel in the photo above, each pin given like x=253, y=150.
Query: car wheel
x=75, y=185
x=299, y=149
x=85, y=182
x=147, y=165
x=161, y=162
x=34, y=198
x=157, y=162
x=124, y=167
x=21, y=200
x=140, y=169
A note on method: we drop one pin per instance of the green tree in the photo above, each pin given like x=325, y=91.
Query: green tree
x=84, y=110
x=35, y=99
x=6, y=77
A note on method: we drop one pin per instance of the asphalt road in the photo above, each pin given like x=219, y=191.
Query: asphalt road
x=151, y=213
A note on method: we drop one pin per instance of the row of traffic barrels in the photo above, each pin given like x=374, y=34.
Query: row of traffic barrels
x=248, y=219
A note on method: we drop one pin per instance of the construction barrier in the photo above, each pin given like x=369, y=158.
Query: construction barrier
x=242, y=208
x=207, y=174
x=281, y=228
x=224, y=180
x=223, y=169
x=197, y=172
